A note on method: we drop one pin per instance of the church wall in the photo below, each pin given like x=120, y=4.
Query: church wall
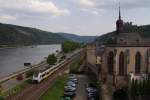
x=132, y=53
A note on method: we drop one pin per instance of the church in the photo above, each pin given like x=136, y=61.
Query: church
x=127, y=56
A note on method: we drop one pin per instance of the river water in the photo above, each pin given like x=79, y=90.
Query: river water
x=13, y=59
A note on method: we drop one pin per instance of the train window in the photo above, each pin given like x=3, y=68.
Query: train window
x=36, y=74
x=43, y=75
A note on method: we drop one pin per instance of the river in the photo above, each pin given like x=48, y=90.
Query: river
x=13, y=59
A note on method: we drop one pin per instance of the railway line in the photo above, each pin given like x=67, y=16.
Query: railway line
x=35, y=91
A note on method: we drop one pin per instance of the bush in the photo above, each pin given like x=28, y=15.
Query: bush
x=1, y=98
x=30, y=73
x=140, y=89
x=74, y=67
x=51, y=60
x=120, y=94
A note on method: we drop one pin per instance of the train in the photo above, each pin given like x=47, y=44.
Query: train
x=43, y=74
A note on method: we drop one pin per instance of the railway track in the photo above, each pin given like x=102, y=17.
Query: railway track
x=35, y=91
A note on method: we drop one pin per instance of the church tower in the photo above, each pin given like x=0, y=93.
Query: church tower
x=119, y=23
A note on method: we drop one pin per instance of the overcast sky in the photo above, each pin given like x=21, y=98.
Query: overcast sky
x=83, y=17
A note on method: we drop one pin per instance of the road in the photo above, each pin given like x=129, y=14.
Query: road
x=81, y=93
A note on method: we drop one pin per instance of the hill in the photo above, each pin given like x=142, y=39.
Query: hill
x=143, y=30
x=18, y=35
x=77, y=38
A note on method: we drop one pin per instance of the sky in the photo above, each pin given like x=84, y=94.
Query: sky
x=81, y=17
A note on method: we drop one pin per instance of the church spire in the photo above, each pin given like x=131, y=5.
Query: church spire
x=119, y=12
x=119, y=23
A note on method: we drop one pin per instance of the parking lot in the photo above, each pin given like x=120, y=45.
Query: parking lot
x=79, y=87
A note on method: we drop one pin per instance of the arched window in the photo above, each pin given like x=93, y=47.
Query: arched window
x=147, y=60
x=110, y=62
x=121, y=63
x=137, y=63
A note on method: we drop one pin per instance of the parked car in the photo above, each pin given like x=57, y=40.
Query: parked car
x=91, y=90
x=93, y=96
x=69, y=88
x=72, y=76
x=70, y=83
x=74, y=80
x=69, y=94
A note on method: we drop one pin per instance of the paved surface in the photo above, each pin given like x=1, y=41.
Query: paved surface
x=105, y=92
x=81, y=93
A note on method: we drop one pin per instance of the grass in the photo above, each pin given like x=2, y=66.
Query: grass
x=56, y=91
x=74, y=67
x=18, y=88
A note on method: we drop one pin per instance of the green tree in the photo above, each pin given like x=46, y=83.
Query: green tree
x=30, y=73
x=132, y=89
x=69, y=46
x=51, y=60
x=1, y=98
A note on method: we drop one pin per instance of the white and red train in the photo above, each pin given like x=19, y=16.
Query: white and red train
x=41, y=75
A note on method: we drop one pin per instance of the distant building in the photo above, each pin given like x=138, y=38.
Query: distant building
x=116, y=63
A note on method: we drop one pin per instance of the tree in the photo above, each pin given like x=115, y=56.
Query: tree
x=1, y=98
x=51, y=60
x=132, y=89
x=30, y=73
x=69, y=46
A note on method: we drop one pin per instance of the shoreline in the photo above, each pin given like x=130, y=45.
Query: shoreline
x=18, y=46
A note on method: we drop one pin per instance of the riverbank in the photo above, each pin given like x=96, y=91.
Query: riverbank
x=19, y=46
x=12, y=46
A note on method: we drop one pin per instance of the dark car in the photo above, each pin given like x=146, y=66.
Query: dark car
x=71, y=83
x=72, y=76
x=74, y=80
x=69, y=88
x=91, y=90
x=93, y=96
x=69, y=94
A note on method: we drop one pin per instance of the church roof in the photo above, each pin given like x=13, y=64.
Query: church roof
x=130, y=39
x=129, y=35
